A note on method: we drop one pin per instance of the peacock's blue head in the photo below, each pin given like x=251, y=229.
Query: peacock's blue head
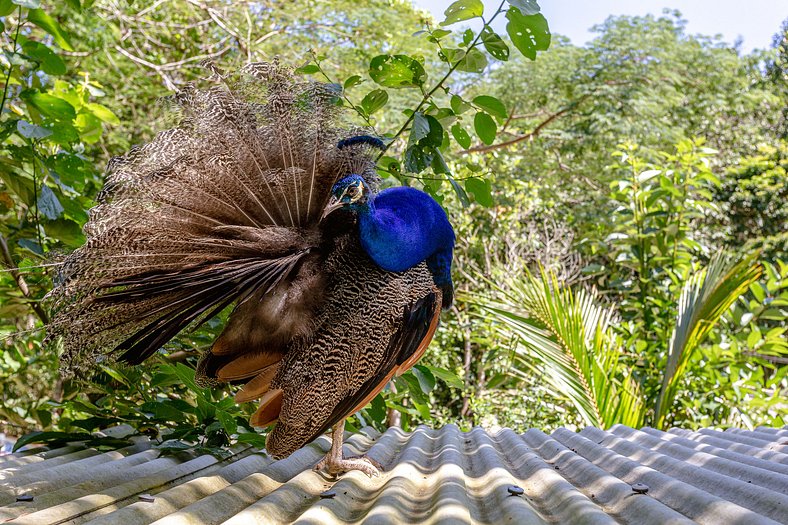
x=351, y=193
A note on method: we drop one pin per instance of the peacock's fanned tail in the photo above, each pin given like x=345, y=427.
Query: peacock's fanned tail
x=219, y=208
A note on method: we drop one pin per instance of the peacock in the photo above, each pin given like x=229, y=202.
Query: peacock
x=263, y=199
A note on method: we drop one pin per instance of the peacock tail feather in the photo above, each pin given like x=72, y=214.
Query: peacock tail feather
x=206, y=214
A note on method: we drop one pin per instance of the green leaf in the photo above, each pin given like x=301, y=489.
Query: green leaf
x=163, y=411
x=309, y=69
x=352, y=81
x=461, y=136
x=437, y=34
x=102, y=112
x=529, y=33
x=53, y=107
x=51, y=64
x=389, y=164
x=66, y=231
x=377, y=409
x=48, y=24
x=50, y=437
x=491, y=105
x=463, y=10
x=438, y=163
x=474, y=62
x=464, y=200
x=425, y=378
x=253, y=438
x=48, y=203
x=89, y=127
x=494, y=44
x=228, y=422
x=425, y=130
x=397, y=71
x=63, y=133
x=481, y=190
x=7, y=7
x=452, y=55
x=458, y=105
x=426, y=135
x=528, y=7
x=704, y=298
x=566, y=339
x=31, y=131
x=448, y=377
x=485, y=127
x=374, y=101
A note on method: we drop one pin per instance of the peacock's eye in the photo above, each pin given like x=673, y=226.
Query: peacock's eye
x=353, y=191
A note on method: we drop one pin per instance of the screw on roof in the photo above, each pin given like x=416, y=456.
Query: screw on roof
x=514, y=490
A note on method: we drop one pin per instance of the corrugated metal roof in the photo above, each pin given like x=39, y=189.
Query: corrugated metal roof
x=431, y=476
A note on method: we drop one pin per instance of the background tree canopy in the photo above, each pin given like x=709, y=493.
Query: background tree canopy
x=622, y=235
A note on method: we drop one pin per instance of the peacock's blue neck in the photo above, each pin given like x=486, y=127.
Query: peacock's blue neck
x=402, y=227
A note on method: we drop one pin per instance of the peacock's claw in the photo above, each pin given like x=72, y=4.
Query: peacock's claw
x=374, y=463
x=335, y=462
x=335, y=466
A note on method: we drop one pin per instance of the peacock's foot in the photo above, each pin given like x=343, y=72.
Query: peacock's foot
x=336, y=464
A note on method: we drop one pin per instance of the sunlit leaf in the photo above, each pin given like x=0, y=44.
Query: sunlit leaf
x=352, y=81
x=7, y=7
x=463, y=10
x=491, y=105
x=528, y=7
x=374, y=100
x=397, y=71
x=704, y=298
x=51, y=64
x=481, y=190
x=566, y=338
x=103, y=112
x=485, y=127
x=461, y=136
x=458, y=105
x=529, y=33
x=50, y=25
x=474, y=62
x=51, y=106
x=460, y=192
x=308, y=69
x=494, y=44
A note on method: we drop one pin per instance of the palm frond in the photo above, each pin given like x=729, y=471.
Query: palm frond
x=704, y=298
x=568, y=337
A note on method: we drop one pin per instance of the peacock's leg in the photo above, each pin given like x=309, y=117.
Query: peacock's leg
x=335, y=463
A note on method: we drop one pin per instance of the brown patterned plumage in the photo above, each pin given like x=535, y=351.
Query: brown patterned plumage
x=226, y=209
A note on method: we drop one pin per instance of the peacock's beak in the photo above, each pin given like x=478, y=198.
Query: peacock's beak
x=333, y=205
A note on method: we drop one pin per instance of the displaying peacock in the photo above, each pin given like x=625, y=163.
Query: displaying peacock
x=262, y=197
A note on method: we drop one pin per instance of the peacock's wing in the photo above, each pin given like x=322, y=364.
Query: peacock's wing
x=405, y=348
x=374, y=324
x=223, y=208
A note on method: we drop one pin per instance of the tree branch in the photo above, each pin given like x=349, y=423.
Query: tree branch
x=528, y=136
x=20, y=281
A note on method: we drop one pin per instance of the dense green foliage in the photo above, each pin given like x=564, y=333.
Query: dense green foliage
x=590, y=188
